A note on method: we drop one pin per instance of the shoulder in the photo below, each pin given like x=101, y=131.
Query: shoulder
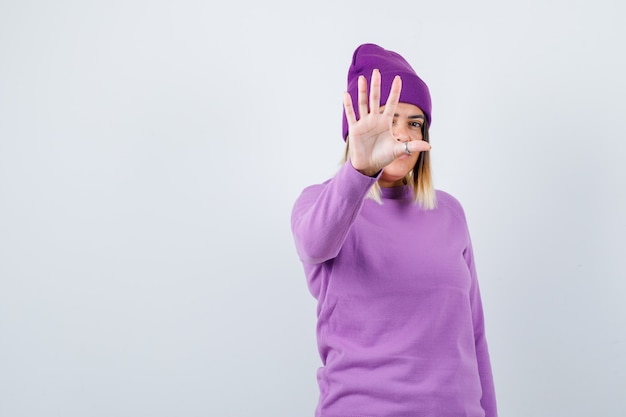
x=346, y=183
x=448, y=202
x=314, y=189
x=309, y=195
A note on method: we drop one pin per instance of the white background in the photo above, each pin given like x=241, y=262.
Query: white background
x=151, y=151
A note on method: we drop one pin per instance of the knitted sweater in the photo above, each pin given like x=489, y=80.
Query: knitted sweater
x=400, y=323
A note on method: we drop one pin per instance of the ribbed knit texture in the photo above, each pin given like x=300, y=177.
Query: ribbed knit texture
x=400, y=321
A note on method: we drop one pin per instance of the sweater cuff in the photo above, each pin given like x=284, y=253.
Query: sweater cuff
x=356, y=185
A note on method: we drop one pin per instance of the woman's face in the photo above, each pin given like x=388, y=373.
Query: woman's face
x=407, y=125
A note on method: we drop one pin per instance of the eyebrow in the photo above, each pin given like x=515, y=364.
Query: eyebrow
x=417, y=116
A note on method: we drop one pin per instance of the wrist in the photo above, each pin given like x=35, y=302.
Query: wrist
x=369, y=172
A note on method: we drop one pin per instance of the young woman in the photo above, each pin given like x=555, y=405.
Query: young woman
x=389, y=259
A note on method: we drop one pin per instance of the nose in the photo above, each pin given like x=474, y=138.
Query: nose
x=400, y=132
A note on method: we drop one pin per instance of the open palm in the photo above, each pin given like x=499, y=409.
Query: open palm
x=371, y=143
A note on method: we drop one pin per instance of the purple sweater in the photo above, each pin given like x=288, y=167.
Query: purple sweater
x=400, y=322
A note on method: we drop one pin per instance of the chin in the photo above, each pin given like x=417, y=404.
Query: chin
x=397, y=170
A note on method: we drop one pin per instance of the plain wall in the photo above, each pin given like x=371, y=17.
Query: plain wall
x=151, y=151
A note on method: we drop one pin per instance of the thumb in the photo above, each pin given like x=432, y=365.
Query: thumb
x=414, y=146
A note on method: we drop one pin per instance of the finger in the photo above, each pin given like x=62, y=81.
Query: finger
x=362, y=99
x=394, y=96
x=375, y=92
x=417, y=146
x=413, y=146
x=349, y=109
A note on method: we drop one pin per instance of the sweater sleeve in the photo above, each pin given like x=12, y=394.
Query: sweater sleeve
x=488, y=401
x=323, y=214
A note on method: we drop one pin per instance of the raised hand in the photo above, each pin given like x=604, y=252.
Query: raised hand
x=372, y=145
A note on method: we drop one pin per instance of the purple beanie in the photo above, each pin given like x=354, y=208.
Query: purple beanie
x=368, y=57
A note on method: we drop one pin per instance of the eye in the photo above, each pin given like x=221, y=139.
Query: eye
x=415, y=124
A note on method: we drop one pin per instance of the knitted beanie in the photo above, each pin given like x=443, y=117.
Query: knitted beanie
x=368, y=57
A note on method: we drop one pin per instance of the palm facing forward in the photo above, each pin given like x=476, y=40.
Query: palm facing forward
x=372, y=145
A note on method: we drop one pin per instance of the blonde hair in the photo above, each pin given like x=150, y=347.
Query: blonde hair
x=419, y=178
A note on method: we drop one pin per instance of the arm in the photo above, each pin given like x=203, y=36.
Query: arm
x=323, y=214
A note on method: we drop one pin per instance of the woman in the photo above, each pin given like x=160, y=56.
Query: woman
x=389, y=260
